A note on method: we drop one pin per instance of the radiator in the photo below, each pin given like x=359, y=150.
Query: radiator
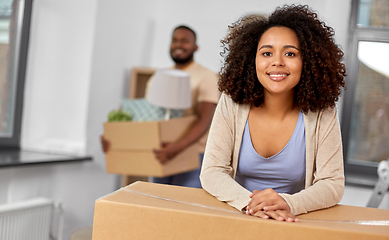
x=28, y=220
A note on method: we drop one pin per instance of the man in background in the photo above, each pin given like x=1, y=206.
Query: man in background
x=205, y=95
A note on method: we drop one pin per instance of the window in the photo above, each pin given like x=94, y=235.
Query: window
x=14, y=31
x=365, y=118
x=15, y=17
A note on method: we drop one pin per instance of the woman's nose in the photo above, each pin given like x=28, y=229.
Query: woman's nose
x=278, y=61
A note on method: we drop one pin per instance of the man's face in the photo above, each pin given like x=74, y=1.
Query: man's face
x=183, y=46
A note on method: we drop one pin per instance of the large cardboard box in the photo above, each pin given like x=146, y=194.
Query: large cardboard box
x=155, y=211
x=132, y=144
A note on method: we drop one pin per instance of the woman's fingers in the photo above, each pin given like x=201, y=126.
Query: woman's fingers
x=254, y=192
x=287, y=216
x=280, y=204
x=261, y=214
x=279, y=215
x=274, y=215
x=256, y=208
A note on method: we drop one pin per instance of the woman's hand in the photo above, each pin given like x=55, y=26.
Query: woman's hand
x=267, y=200
x=268, y=203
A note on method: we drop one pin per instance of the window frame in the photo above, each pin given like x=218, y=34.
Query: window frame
x=25, y=6
x=354, y=172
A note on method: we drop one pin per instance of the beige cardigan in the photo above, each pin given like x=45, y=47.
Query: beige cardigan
x=324, y=182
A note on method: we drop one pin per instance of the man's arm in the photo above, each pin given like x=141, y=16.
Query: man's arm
x=170, y=150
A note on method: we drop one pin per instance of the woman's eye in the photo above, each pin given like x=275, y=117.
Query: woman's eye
x=266, y=54
x=290, y=54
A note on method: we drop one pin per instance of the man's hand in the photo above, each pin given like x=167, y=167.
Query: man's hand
x=167, y=152
x=105, y=144
x=170, y=150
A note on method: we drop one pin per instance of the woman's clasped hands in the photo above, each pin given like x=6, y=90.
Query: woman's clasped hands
x=268, y=204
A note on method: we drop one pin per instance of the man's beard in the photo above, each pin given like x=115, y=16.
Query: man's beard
x=183, y=60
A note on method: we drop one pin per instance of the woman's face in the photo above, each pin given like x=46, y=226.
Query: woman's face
x=278, y=60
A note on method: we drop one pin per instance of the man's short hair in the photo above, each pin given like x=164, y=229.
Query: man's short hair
x=187, y=28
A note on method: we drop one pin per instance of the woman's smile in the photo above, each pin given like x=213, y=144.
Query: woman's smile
x=277, y=76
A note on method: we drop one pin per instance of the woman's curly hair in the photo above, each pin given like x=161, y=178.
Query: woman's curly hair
x=322, y=77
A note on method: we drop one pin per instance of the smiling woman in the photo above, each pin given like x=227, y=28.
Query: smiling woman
x=280, y=81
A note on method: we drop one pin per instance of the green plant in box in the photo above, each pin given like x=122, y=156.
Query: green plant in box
x=119, y=116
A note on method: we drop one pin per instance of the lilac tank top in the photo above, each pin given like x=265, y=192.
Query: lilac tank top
x=283, y=172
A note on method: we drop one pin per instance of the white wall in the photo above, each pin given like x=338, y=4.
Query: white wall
x=80, y=56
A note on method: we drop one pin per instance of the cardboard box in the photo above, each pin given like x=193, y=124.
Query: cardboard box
x=132, y=144
x=155, y=211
